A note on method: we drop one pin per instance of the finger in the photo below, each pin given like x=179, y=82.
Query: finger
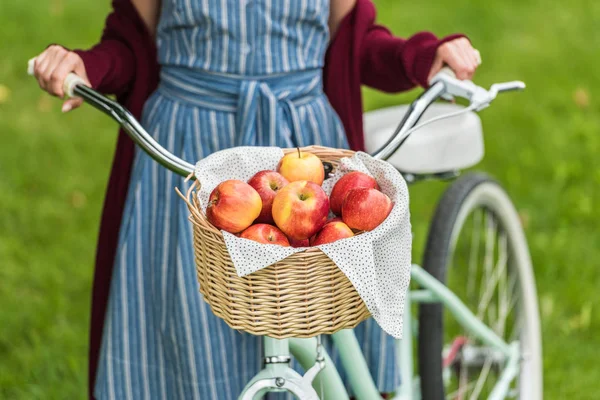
x=80, y=71
x=456, y=62
x=472, y=56
x=55, y=56
x=71, y=104
x=464, y=68
x=64, y=65
x=39, y=67
x=468, y=57
x=477, y=57
x=436, y=67
x=38, y=62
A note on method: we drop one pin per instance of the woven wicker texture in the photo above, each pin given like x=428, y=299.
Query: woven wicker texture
x=303, y=295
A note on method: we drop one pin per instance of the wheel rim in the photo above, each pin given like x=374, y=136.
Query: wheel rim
x=485, y=270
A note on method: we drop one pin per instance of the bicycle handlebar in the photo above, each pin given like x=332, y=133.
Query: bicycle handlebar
x=69, y=84
x=74, y=86
x=443, y=85
x=477, y=96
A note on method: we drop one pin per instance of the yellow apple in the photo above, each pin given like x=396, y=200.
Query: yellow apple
x=301, y=166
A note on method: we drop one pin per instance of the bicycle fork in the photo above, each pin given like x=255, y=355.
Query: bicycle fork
x=278, y=376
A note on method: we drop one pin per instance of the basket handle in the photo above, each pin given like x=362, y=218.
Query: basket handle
x=197, y=217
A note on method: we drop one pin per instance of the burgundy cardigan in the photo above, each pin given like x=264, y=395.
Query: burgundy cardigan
x=124, y=63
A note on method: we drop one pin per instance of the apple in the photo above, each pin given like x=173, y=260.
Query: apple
x=352, y=180
x=265, y=233
x=301, y=166
x=331, y=232
x=365, y=208
x=312, y=238
x=299, y=243
x=300, y=209
x=267, y=183
x=233, y=206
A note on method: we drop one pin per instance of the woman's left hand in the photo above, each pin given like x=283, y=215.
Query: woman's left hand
x=459, y=55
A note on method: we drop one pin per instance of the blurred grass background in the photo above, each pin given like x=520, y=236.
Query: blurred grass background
x=542, y=145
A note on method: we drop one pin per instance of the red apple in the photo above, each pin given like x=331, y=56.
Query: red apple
x=233, y=206
x=301, y=166
x=365, y=208
x=352, y=180
x=300, y=209
x=299, y=243
x=334, y=219
x=265, y=233
x=331, y=232
x=267, y=183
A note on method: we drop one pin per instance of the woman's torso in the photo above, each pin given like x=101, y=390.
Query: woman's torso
x=243, y=37
x=160, y=337
x=258, y=61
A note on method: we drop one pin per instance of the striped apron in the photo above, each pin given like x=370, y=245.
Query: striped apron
x=232, y=73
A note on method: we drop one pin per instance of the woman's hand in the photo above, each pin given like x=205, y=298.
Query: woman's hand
x=459, y=55
x=52, y=67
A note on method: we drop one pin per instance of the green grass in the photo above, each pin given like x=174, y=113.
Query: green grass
x=542, y=145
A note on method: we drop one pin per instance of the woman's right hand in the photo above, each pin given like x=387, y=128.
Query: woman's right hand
x=52, y=67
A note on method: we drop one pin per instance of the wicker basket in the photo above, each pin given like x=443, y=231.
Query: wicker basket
x=303, y=295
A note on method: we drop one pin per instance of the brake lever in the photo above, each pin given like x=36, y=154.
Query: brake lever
x=483, y=102
x=506, y=87
x=479, y=97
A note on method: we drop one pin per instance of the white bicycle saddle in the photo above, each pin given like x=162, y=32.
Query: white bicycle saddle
x=447, y=145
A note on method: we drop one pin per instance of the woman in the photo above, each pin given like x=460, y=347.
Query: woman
x=231, y=73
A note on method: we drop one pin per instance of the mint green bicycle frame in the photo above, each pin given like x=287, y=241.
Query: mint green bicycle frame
x=328, y=380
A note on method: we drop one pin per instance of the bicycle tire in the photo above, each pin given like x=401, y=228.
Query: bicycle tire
x=469, y=192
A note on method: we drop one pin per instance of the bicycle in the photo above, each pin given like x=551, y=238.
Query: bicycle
x=443, y=369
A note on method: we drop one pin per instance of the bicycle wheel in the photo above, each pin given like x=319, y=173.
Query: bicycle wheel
x=476, y=246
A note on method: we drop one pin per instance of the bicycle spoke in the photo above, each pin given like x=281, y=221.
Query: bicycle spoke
x=491, y=313
x=463, y=380
x=515, y=294
x=491, y=283
x=517, y=328
x=461, y=391
x=482, y=378
x=500, y=325
x=513, y=303
x=503, y=297
x=490, y=235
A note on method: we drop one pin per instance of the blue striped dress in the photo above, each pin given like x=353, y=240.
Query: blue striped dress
x=233, y=72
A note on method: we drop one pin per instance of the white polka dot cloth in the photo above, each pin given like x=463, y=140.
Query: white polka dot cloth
x=376, y=262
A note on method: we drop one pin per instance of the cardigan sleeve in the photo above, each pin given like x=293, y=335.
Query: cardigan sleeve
x=110, y=66
x=111, y=63
x=392, y=64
